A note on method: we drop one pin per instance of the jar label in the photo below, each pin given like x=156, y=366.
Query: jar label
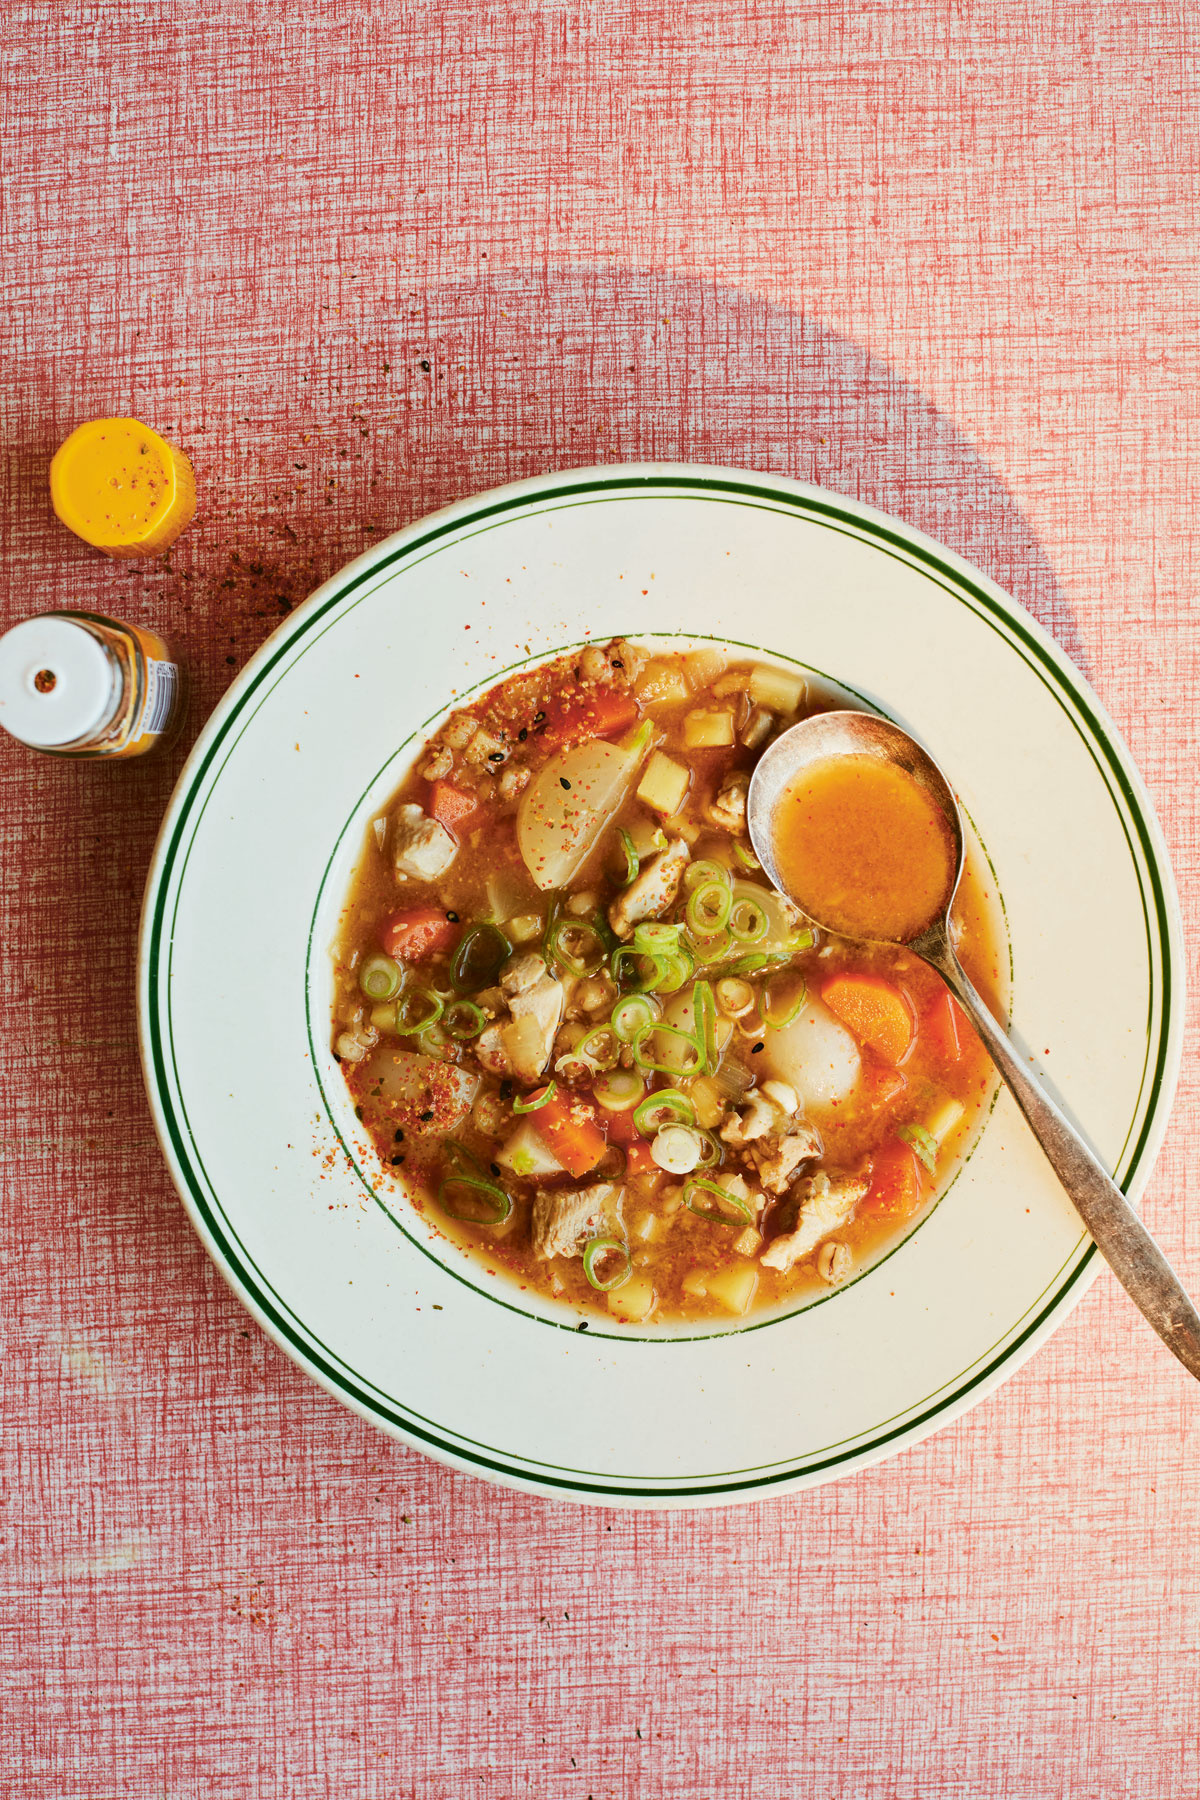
x=162, y=684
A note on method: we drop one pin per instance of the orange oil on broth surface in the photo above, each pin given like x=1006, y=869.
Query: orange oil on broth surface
x=863, y=848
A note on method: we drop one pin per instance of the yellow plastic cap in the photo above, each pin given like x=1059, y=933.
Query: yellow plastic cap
x=118, y=485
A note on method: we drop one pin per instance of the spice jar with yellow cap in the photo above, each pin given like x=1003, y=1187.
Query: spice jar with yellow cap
x=122, y=487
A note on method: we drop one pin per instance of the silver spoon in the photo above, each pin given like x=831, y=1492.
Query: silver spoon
x=1119, y=1234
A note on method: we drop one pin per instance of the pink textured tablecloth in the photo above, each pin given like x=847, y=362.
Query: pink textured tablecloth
x=361, y=260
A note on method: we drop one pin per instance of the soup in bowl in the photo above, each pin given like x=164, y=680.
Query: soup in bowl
x=596, y=1048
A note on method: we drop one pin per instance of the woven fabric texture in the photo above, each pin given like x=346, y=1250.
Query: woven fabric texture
x=363, y=260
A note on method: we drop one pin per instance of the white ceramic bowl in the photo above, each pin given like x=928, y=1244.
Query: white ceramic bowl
x=253, y=862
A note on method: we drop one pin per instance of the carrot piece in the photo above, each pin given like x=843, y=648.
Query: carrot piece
x=877, y=1013
x=621, y=1128
x=895, y=1189
x=567, y=1126
x=603, y=714
x=639, y=1160
x=416, y=935
x=451, y=807
x=944, y=1028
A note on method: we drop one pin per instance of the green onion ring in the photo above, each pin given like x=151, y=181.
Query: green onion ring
x=539, y=1097
x=705, y=1013
x=699, y=874
x=406, y=1024
x=576, y=959
x=708, y=908
x=756, y=929
x=477, y=960
x=463, y=1020
x=605, y=1246
x=632, y=864
x=501, y=1204
x=776, y=1019
x=696, y=1198
x=681, y=966
x=618, y=1090
x=700, y=1067
x=656, y=939
x=645, y=985
x=746, y=857
x=922, y=1142
x=631, y=1014
x=665, y=1107
x=601, y=1059
x=380, y=978
x=714, y=1150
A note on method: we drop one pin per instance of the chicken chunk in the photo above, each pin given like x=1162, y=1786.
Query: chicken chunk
x=652, y=891
x=825, y=1205
x=757, y=1117
x=521, y=1045
x=563, y=1219
x=778, y=1156
x=728, y=807
x=421, y=847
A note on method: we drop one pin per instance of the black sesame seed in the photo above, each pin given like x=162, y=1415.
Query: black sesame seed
x=564, y=783
x=757, y=1048
x=424, y=364
x=583, y=1326
x=496, y=756
x=336, y=1057
x=523, y=733
x=453, y=917
x=617, y=663
x=426, y=1116
x=538, y=717
x=358, y=1112
x=399, y=1135
x=495, y=1168
x=397, y=1161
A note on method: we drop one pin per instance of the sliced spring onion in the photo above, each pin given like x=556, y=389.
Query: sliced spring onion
x=645, y=1062
x=921, y=1141
x=716, y=1204
x=632, y=865
x=710, y=950
x=612, y=1165
x=417, y=1010
x=756, y=960
x=650, y=968
x=677, y=1149
x=475, y=1201
x=712, y=1151
x=380, y=978
x=578, y=944
x=666, y=1107
x=708, y=908
x=462, y=1019
x=467, y=1193
x=598, y=1248
x=538, y=1097
x=705, y=1010
x=477, y=960
x=699, y=874
x=630, y=1015
x=803, y=939
x=732, y=1080
x=600, y=1049
x=748, y=920
x=656, y=939
x=777, y=1011
x=618, y=1091
x=734, y=996
x=681, y=966
x=746, y=857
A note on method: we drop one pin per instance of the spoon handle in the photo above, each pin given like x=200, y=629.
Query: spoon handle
x=1119, y=1234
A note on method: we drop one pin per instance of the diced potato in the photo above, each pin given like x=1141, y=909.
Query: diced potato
x=695, y=1285
x=707, y=730
x=663, y=683
x=733, y=1288
x=941, y=1121
x=566, y=807
x=747, y=1243
x=646, y=835
x=779, y=689
x=525, y=1154
x=704, y=666
x=705, y=1096
x=383, y=1018
x=634, y=1301
x=664, y=785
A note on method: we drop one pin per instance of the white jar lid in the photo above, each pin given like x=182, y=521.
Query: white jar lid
x=58, y=683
